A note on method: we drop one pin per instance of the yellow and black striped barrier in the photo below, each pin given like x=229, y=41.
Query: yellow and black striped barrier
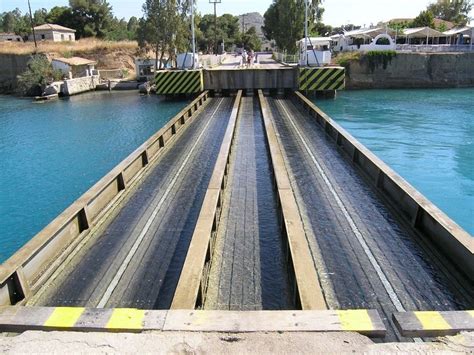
x=19, y=319
x=170, y=82
x=433, y=323
x=321, y=79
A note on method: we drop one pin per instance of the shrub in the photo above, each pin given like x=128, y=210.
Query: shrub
x=37, y=76
x=376, y=58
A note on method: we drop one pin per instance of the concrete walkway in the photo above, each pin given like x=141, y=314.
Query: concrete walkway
x=221, y=343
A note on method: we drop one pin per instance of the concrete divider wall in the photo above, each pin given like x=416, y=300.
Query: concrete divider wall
x=22, y=274
x=423, y=216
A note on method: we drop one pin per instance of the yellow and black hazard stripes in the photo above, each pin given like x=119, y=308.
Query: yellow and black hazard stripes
x=178, y=82
x=433, y=323
x=320, y=79
x=18, y=319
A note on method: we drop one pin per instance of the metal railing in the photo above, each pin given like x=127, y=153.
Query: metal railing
x=285, y=58
x=435, y=48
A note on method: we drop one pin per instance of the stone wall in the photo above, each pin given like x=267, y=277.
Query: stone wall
x=78, y=85
x=11, y=65
x=414, y=70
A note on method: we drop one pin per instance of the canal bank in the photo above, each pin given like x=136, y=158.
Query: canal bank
x=411, y=70
x=405, y=70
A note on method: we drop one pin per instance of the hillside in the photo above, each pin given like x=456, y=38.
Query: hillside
x=254, y=19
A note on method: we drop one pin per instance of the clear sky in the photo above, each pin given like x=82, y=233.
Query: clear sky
x=338, y=12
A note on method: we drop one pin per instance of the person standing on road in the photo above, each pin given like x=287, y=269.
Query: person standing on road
x=244, y=58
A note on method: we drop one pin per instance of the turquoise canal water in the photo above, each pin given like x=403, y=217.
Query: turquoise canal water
x=426, y=136
x=51, y=153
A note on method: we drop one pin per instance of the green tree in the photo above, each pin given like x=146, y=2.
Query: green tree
x=39, y=17
x=284, y=21
x=165, y=27
x=60, y=15
x=456, y=11
x=249, y=40
x=442, y=27
x=424, y=19
x=227, y=31
x=91, y=17
x=132, y=26
x=117, y=30
x=14, y=21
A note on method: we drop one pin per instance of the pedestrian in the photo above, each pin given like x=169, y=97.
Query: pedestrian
x=244, y=58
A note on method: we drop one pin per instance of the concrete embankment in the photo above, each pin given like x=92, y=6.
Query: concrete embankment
x=412, y=70
x=11, y=65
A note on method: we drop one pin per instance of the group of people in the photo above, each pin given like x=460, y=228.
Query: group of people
x=248, y=58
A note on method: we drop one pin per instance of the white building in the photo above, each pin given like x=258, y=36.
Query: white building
x=10, y=37
x=74, y=67
x=52, y=32
x=317, y=51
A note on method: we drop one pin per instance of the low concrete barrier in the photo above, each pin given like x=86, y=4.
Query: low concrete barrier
x=307, y=290
x=423, y=216
x=236, y=79
x=19, y=319
x=192, y=285
x=78, y=85
x=22, y=274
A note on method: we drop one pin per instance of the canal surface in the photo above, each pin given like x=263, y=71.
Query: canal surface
x=426, y=136
x=53, y=152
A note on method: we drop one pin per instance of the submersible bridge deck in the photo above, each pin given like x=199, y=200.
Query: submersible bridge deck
x=246, y=212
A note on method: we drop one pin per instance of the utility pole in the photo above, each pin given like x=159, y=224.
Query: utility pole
x=32, y=26
x=215, y=2
x=192, y=32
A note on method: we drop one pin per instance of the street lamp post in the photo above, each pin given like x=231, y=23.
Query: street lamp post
x=305, y=32
x=193, y=33
x=215, y=2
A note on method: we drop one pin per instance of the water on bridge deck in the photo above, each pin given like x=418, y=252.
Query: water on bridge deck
x=248, y=269
x=365, y=257
x=135, y=260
